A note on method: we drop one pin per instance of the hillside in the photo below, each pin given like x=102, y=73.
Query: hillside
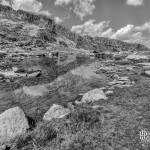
x=71, y=92
x=33, y=30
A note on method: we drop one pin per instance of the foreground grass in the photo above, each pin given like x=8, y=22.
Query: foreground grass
x=114, y=125
x=83, y=129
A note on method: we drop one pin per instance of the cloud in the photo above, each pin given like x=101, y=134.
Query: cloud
x=45, y=12
x=61, y=2
x=135, y=2
x=80, y=8
x=128, y=33
x=107, y=33
x=58, y=20
x=5, y=2
x=144, y=27
x=124, y=32
x=27, y=5
x=91, y=28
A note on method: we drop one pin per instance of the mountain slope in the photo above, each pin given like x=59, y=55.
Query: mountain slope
x=17, y=27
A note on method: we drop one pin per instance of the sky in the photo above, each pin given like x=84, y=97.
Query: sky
x=127, y=20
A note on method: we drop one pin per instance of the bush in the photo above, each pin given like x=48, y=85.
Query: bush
x=42, y=135
x=87, y=116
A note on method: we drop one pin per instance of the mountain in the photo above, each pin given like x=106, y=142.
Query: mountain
x=21, y=29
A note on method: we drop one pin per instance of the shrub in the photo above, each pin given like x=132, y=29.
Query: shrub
x=44, y=133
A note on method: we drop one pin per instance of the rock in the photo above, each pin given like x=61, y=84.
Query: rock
x=14, y=69
x=111, y=88
x=78, y=102
x=96, y=107
x=147, y=73
x=103, y=88
x=129, y=68
x=12, y=123
x=137, y=58
x=109, y=92
x=7, y=80
x=114, y=82
x=123, y=78
x=56, y=111
x=70, y=106
x=93, y=96
x=116, y=76
x=3, y=147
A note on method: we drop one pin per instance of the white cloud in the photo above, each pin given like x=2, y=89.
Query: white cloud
x=27, y=5
x=45, y=12
x=144, y=27
x=5, y=2
x=135, y=2
x=61, y=2
x=108, y=33
x=91, y=28
x=128, y=33
x=81, y=8
x=124, y=32
x=58, y=20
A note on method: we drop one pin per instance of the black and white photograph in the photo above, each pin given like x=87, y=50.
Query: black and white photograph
x=74, y=74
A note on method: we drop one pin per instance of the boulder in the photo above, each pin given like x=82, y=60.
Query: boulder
x=147, y=73
x=109, y=93
x=56, y=112
x=116, y=76
x=137, y=57
x=3, y=147
x=12, y=123
x=93, y=96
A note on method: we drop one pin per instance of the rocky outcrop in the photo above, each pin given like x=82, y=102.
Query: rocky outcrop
x=146, y=73
x=56, y=112
x=12, y=123
x=93, y=96
x=137, y=58
x=104, y=44
x=22, y=24
x=121, y=82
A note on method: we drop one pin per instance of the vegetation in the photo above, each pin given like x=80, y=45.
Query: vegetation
x=112, y=124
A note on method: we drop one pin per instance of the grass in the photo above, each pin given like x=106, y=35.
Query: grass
x=114, y=125
x=85, y=129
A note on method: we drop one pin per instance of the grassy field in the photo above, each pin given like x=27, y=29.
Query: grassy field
x=114, y=125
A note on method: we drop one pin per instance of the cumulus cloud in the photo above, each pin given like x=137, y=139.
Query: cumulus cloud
x=45, y=12
x=91, y=28
x=27, y=5
x=80, y=8
x=61, y=2
x=128, y=33
x=124, y=32
x=5, y=2
x=144, y=27
x=58, y=20
x=135, y=2
x=107, y=33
